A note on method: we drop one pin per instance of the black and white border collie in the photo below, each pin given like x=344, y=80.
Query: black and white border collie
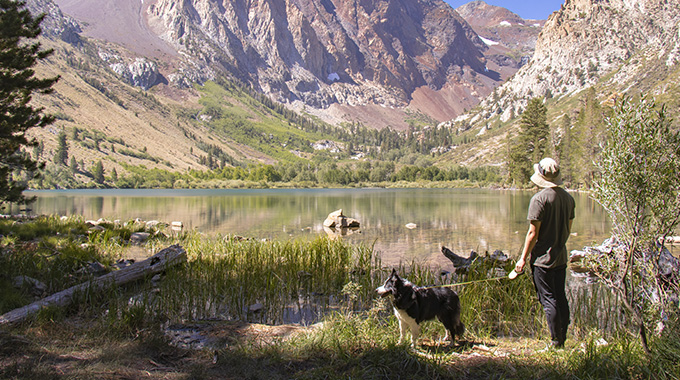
x=413, y=305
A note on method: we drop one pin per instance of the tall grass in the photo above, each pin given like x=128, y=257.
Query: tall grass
x=501, y=308
x=272, y=282
x=48, y=250
x=594, y=307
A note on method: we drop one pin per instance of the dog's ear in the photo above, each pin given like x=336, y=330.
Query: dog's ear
x=395, y=275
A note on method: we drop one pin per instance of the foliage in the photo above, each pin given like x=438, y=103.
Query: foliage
x=532, y=142
x=639, y=187
x=304, y=175
x=98, y=172
x=61, y=153
x=586, y=137
x=17, y=84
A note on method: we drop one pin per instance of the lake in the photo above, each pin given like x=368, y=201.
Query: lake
x=461, y=219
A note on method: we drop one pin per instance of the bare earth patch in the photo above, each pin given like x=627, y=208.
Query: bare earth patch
x=74, y=349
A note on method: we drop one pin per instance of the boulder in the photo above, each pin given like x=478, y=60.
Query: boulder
x=337, y=220
x=139, y=237
x=35, y=287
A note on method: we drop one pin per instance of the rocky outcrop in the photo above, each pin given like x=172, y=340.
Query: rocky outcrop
x=138, y=72
x=55, y=24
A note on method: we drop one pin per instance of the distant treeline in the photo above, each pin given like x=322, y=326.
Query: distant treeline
x=302, y=174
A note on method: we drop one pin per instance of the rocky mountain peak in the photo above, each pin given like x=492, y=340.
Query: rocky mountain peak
x=321, y=52
x=343, y=60
x=583, y=42
x=510, y=39
x=480, y=14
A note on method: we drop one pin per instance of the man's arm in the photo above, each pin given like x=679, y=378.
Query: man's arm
x=529, y=243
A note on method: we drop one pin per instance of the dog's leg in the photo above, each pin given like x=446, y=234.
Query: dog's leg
x=402, y=326
x=446, y=337
x=407, y=322
x=415, y=333
x=454, y=327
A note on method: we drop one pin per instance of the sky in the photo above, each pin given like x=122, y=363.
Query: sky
x=527, y=9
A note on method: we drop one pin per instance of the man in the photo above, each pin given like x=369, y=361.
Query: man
x=551, y=213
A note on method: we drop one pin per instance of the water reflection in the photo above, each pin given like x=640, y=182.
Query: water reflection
x=460, y=219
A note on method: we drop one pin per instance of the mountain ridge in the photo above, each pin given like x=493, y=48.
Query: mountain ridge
x=609, y=48
x=337, y=54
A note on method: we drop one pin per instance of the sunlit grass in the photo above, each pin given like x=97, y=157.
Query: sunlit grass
x=291, y=280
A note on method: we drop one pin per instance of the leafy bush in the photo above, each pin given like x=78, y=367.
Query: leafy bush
x=639, y=187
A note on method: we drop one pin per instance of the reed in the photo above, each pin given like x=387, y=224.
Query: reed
x=275, y=281
x=46, y=249
x=594, y=307
x=270, y=282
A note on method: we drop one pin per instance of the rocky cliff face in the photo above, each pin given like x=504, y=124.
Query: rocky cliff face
x=398, y=54
x=55, y=24
x=587, y=40
x=511, y=39
x=321, y=52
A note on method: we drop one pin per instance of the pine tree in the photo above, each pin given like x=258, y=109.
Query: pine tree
x=98, y=172
x=73, y=165
x=566, y=151
x=535, y=129
x=590, y=130
x=17, y=84
x=61, y=154
x=532, y=142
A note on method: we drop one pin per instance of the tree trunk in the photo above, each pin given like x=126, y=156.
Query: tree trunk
x=155, y=264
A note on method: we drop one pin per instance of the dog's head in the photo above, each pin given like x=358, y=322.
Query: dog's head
x=391, y=285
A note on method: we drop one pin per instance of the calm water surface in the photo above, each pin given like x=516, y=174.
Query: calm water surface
x=461, y=219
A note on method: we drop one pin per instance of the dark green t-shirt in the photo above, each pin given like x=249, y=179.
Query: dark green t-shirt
x=553, y=207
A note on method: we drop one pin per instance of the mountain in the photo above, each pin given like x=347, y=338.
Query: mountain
x=178, y=85
x=593, y=42
x=611, y=47
x=137, y=80
x=510, y=38
x=341, y=60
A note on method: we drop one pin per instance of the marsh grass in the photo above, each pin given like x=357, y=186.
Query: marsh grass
x=501, y=308
x=271, y=282
x=593, y=306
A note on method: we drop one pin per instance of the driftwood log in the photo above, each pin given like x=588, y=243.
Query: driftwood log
x=157, y=263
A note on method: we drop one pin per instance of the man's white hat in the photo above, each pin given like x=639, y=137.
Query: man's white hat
x=547, y=173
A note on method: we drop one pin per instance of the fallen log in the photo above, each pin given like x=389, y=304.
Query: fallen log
x=157, y=263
